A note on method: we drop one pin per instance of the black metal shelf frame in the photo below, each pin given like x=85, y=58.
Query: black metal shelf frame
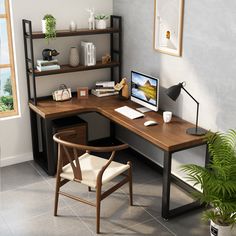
x=115, y=22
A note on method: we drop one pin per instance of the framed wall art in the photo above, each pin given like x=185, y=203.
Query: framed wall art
x=168, y=26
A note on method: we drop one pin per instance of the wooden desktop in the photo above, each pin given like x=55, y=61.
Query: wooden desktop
x=170, y=137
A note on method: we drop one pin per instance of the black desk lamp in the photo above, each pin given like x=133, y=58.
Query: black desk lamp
x=173, y=92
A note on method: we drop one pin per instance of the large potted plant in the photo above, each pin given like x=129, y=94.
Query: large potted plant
x=217, y=182
x=49, y=27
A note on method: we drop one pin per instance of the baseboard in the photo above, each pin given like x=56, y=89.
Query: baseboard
x=12, y=160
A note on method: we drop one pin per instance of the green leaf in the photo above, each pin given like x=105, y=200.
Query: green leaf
x=218, y=179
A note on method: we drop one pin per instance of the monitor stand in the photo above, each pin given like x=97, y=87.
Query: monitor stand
x=143, y=109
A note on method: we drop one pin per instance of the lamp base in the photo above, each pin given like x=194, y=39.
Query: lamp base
x=197, y=132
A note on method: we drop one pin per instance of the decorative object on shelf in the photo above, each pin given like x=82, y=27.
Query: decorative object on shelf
x=168, y=26
x=62, y=94
x=101, y=21
x=217, y=182
x=174, y=92
x=125, y=89
x=49, y=27
x=88, y=54
x=74, y=57
x=49, y=53
x=120, y=85
x=106, y=59
x=91, y=20
x=73, y=26
x=82, y=92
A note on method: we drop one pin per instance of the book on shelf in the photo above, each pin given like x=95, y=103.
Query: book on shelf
x=46, y=68
x=88, y=53
x=104, y=89
x=47, y=63
x=105, y=84
x=103, y=94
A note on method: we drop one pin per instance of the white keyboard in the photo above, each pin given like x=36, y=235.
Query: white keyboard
x=129, y=112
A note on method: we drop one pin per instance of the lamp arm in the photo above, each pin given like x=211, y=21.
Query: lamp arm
x=197, y=106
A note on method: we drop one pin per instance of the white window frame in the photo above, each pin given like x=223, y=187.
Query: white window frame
x=11, y=64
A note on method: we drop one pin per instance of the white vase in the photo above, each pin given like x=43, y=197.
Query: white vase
x=73, y=26
x=74, y=57
x=218, y=230
x=44, y=26
x=101, y=24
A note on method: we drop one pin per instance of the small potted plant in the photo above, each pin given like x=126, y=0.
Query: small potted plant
x=49, y=27
x=217, y=182
x=101, y=21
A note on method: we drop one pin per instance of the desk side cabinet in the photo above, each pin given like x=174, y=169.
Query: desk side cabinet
x=48, y=160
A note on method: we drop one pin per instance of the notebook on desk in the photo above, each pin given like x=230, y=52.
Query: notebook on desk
x=129, y=112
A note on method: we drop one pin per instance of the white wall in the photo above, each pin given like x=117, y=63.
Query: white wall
x=207, y=65
x=15, y=135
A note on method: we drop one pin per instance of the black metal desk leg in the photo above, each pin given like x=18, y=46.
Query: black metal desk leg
x=34, y=134
x=112, y=130
x=49, y=146
x=166, y=184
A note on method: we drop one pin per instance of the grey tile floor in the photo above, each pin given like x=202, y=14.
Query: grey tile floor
x=27, y=196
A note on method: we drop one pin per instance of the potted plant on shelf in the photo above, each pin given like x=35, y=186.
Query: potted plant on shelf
x=49, y=27
x=101, y=21
x=217, y=182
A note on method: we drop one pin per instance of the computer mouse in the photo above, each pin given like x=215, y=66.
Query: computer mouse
x=150, y=123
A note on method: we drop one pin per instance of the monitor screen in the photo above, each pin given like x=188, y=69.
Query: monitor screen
x=145, y=90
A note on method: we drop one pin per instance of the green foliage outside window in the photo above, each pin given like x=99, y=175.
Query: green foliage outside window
x=6, y=102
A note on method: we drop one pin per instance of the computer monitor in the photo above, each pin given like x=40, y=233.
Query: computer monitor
x=145, y=90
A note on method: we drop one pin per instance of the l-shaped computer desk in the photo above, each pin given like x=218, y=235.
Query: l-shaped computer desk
x=169, y=137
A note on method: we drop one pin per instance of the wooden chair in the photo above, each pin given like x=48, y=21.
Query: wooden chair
x=90, y=170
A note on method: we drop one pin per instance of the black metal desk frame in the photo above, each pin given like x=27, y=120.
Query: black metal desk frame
x=167, y=213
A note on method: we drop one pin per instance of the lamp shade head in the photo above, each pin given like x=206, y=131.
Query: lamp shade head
x=174, y=91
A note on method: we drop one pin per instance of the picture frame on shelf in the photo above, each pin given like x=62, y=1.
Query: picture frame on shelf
x=82, y=92
x=168, y=26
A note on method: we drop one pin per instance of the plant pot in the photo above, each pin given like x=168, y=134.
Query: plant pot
x=44, y=26
x=74, y=57
x=101, y=24
x=218, y=230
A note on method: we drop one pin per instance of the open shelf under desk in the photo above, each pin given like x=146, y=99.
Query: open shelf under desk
x=68, y=69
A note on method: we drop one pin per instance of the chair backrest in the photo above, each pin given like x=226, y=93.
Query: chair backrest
x=71, y=151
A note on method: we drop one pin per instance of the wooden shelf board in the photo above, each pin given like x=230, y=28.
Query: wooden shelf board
x=68, y=69
x=67, y=33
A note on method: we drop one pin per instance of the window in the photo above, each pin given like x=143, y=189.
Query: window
x=8, y=98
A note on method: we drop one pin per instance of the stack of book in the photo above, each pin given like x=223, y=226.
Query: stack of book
x=88, y=54
x=104, y=88
x=43, y=65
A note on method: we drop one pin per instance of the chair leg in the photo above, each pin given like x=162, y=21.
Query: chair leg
x=58, y=180
x=130, y=184
x=98, y=206
x=89, y=189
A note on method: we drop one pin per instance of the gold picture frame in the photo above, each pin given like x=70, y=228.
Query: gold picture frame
x=168, y=26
